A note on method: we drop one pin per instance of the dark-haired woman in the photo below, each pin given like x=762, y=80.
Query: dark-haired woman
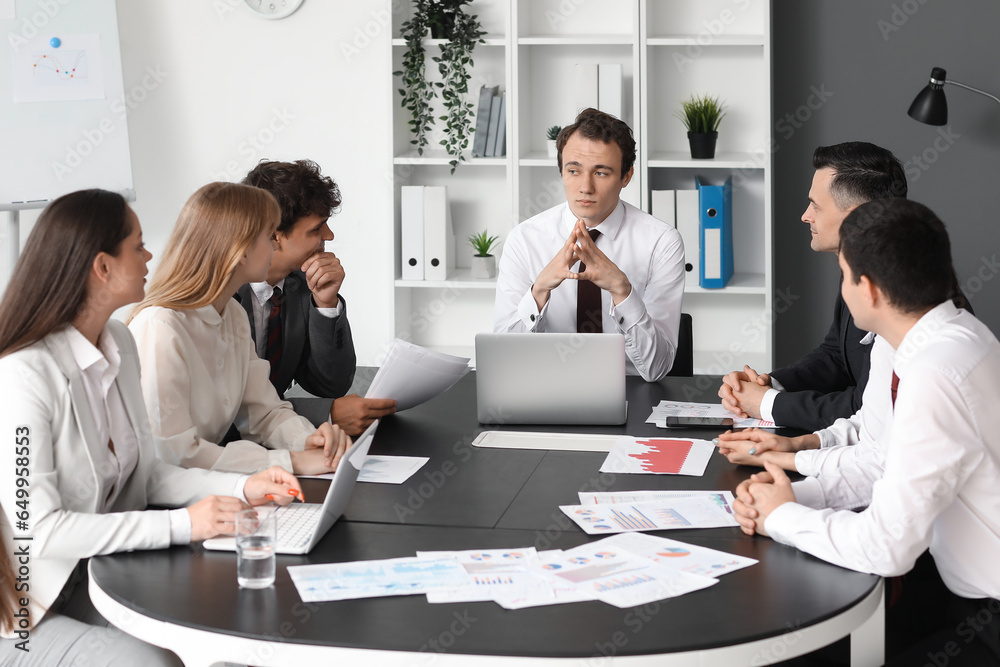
x=79, y=467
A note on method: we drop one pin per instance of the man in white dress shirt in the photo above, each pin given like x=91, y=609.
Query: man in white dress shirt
x=636, y=261
x=926, y=463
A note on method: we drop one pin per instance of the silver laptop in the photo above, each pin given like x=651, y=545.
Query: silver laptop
x=302, y=525
x=550, y=378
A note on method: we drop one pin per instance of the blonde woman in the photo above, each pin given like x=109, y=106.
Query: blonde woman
x=79, y=465
x=200, y=368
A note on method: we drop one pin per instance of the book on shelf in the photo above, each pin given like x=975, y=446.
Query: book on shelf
x=609, y=89
x=486, y=95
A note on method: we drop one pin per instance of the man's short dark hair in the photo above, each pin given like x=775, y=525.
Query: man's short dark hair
x=599, y=126
x=862, y=172
x=904, y=250
x=299, y=187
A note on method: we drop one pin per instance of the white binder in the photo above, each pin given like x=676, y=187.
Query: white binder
x=411, y=236
x=585, y=87
x=689, y=226
x=609, y=89
x=439, y=240
x=662, y=206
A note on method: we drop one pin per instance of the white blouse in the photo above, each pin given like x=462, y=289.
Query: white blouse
x=200, y=374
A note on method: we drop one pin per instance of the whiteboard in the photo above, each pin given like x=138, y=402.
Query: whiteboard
x=68, y=131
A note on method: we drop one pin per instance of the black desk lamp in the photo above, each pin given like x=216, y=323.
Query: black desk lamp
x=930, y=105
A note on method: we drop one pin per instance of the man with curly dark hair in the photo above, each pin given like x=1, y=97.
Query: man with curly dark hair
x=298, y=317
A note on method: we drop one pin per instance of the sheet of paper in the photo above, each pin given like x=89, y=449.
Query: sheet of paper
x=620, y=578
x=375, y=578
x=696, y=512
x=659, y=456
x=390, y=469
x=555, y=591
x=493, y=574
x=681, y=409
x=72, y=70
x=722, y=498
x=412, y=374
x=680, y=555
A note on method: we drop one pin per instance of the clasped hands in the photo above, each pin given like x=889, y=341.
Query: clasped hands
x=599, y=269
x=742, y=391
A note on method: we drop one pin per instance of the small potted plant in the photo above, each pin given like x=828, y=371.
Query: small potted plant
x=701, y=116
x=484, y=264
x=551, y=135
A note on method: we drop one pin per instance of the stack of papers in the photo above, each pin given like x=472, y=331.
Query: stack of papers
x=659, y=456
x=608, y=513
x=624, y=571
x=412, y=374
x=680, y=409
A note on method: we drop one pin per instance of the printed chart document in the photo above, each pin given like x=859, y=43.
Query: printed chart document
x=724, y=499
x=691, y=512
x=375, y=578
x=620, y=578
x=384, y=469
x=412, y=374
x=680, y=555
x=494, y=574
x=659, y=456
x=681, y=409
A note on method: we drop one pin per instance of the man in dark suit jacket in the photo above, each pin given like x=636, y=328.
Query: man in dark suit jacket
x=298, y=318
x=827, y=383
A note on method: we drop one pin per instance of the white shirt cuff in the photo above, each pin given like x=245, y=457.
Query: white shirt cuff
x=528, y=311
x=180, y=526
x=767, y=404
x=628, y=313
x=782, y=523
x=806, y=463
x=809, y=492
x=330, y=313
x=280, y=457
x=239, y=488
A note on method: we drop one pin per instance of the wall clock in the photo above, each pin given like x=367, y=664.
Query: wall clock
x=273, y=9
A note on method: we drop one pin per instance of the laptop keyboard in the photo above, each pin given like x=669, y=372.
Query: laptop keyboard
x=296, y=524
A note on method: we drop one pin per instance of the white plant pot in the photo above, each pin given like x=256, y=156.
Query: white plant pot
x=484, y=267
x=551, y=145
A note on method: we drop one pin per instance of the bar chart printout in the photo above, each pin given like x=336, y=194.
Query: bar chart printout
x=659, y=456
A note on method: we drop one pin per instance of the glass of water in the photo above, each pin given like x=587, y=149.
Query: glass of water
x=256, y=533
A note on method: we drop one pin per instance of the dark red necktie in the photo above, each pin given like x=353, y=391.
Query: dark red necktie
x=895, y=388
x=272, y=351
x=588, y=300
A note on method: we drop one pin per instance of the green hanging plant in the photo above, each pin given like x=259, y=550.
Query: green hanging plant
x=463, y=31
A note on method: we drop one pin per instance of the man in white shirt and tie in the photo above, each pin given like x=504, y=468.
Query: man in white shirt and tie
x=926, y=465
x=596, y=264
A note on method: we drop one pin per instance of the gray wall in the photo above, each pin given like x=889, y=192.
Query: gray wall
x=869, y=71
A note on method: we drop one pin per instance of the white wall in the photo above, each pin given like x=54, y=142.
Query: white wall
x=215, y=89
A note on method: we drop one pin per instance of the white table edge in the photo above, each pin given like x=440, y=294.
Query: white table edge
x=865, y=622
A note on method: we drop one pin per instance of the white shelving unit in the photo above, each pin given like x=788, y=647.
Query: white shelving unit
x=668, y=49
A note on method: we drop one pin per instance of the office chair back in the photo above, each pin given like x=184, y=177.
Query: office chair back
x=684, y=359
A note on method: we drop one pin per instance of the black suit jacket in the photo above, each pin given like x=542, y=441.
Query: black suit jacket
x=828, y=383
x=317, y=352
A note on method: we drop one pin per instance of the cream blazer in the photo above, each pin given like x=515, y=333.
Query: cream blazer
x=41, y=391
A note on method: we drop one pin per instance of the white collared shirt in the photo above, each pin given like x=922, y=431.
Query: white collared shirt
x=647, y=250
x=262, y=311
x=98, y=371
x=940, y=483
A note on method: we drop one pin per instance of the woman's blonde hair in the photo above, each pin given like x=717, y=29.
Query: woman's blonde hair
x=215, y=229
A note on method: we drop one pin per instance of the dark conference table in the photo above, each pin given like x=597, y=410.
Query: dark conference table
x=465, y=497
